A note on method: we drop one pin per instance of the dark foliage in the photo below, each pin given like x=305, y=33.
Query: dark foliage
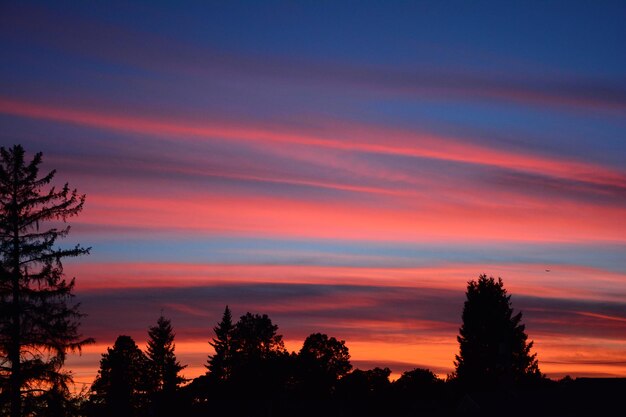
x=249, y=373
x=38, y=322
x=419, y=392
x=319, y=365
x=324, y=358
x=121, y=386
x=163, y=369
x=219, y=364
x=365, y=393
x=416, y=380
x=494, y=351
x=57, y=403
x=255, y=338
x=260, y=364
x=267, y=381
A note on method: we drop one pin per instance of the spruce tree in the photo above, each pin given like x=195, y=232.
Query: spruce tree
x=220, y=364
x=494, y=347
x=38, y=322
x=163, y=367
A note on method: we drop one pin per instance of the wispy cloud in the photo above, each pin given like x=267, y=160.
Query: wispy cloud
x=152, y=53
x=356, y=138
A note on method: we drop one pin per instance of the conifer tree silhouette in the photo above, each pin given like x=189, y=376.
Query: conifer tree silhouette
x=494, y=350
x=163, y=366
x=38, y=322
x=220, y=364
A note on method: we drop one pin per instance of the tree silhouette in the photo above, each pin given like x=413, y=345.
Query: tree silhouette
x=162, y=364
x=220, y=363
x=493, y=343
x=416, y=379
x=365, y=393
x=260, y=365
x=419, y=392
x=38, y=324
x=162, y=367
x=255, y=338
x=121, y=385
x=324, y=360
x=321, y=362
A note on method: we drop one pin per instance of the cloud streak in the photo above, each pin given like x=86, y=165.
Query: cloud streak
x=360, y=139
x=151, y=52
x=283, y=217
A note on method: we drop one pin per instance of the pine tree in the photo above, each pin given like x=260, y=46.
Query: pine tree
x=38, y=324
x=163, y=367
x=494, y=350
x=220, y=364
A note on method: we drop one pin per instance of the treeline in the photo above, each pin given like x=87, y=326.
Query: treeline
x=251, y=373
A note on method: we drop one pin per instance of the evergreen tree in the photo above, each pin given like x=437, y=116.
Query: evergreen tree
x=121, y=385
x=163, y=367
x=220, y=364
x=38, y=323
x=494, y=350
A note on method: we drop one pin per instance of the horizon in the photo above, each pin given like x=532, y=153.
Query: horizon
x=345, y=168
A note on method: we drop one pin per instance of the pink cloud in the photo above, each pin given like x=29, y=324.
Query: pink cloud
x=344, y=138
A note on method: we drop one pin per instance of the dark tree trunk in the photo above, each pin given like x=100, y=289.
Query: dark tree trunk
x=15, y=347
x=14, y=357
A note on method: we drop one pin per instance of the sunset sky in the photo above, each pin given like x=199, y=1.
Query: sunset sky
x=344, y=167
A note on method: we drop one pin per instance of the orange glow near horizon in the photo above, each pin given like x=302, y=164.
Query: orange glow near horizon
x=557, y=357
x=407, y=342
